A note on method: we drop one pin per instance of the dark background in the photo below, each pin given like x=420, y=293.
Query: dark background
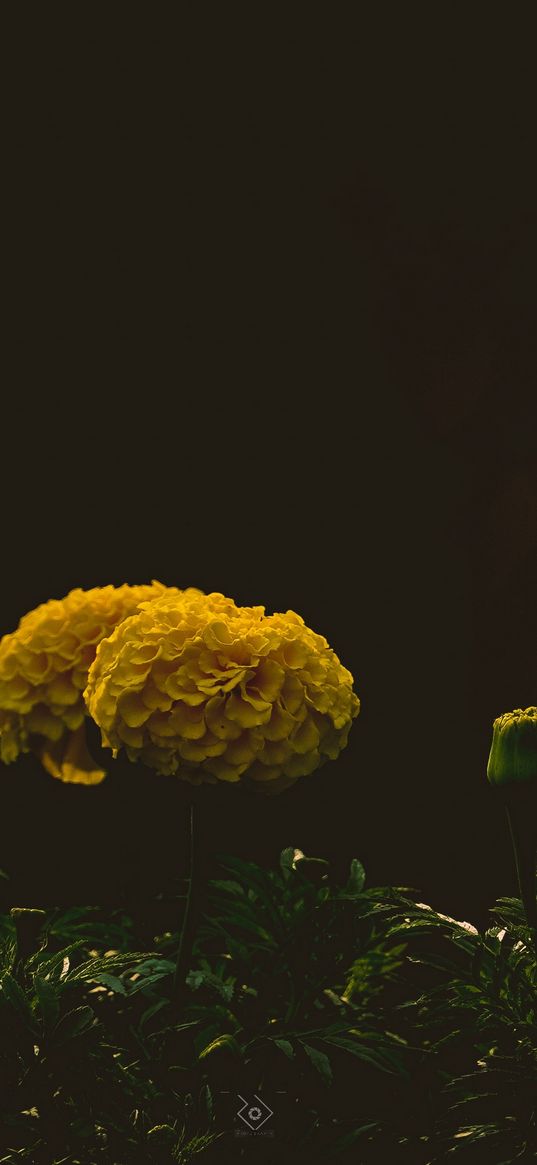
x=271, y=332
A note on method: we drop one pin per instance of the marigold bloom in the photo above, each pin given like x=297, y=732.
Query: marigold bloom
x=44, y=670
x=513, y=756
x=194, y=685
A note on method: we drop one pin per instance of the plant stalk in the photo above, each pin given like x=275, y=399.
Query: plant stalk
x=190, y=913
x=523, y=839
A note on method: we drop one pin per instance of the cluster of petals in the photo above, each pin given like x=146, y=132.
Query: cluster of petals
x=194, y=685
x=44, y=666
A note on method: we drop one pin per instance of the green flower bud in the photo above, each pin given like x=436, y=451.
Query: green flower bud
x=513, y=756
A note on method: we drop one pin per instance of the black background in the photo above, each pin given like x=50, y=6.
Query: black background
x=271, y=332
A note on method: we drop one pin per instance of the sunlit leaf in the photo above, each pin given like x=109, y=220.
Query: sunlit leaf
x=320, y=1061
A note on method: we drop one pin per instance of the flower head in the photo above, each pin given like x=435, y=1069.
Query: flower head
x=513, y=756
x=44, y=669
x=194, y=685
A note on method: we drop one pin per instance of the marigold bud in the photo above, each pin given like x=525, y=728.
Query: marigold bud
x=513, y=756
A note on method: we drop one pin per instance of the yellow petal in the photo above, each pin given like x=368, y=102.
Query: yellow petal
x=301, y=765
x=216, y=635
x=243, y=713
x=62, y=691
x=134, y=737
x=280, y=725
x=240, y=751
x=132, y=709
x=69, y=760
x=41, y=722
x=215, y=715
x=268, y=679
x=306, y=737
x=295, y=653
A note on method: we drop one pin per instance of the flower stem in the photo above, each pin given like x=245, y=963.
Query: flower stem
x=524, y=852
x=190, y=919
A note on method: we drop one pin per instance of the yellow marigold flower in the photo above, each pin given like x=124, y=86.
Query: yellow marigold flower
x=194, y=685
x=43, y=672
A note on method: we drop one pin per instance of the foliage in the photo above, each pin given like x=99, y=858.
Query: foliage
x=375, y=1028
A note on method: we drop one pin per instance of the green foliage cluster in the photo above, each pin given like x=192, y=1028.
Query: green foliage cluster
x=375, y=1028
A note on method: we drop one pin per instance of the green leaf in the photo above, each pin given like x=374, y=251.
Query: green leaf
x=147, y=981
x=380, y=1058
x=163, y=1135
x=52, y=964
x=244, y=921
x=14, y=995
x=86, y=972
x=195, y=979
x=47, y=998
x=112, y=982
x=75, y=1023
x=106, y=934
x=151, y=1011
x=232, y=887
x=152, y=964
x=206, y=1100
x=225, y=989
x=287, y=858
x=320, y=1061
x=285, y=1047
x=333, y=998
x=8, y=953
x=349, y=1139
x=206, y=1034
x=356, y=881
x=224, y=1042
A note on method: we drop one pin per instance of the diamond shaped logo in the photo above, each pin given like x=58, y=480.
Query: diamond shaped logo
x=254, y=1112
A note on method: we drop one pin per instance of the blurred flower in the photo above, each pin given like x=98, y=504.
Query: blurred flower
x=44, y=670
x=194, y=685
x=513, y=756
